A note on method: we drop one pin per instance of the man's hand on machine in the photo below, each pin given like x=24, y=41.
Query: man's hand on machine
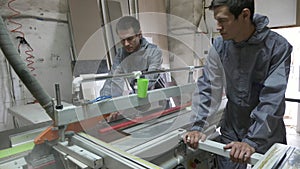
x=112, y=116
x=240, y=151
x=192, y=138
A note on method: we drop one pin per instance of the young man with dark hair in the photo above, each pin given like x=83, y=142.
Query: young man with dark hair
x=137, y=54
x=256, y=65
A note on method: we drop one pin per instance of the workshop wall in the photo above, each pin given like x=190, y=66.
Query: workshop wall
x=44, y=26
x=190, y=30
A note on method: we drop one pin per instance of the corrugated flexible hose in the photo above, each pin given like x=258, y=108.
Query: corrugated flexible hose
x=19, y=66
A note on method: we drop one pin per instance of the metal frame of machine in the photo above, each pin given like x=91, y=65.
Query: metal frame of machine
x=81, y=150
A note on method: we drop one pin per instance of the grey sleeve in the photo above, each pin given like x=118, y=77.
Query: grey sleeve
x=155, y=60
x=268, y=114
x=208, y=94
x=112, y=87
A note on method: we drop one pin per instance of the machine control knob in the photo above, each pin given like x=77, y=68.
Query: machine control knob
x=69, y=135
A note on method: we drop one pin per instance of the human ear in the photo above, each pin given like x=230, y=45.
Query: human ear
x=246, y=13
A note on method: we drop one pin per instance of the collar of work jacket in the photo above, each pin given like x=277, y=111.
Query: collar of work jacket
x=261, y=31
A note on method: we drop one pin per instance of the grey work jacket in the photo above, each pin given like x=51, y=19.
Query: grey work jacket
x=148, y=57
x=256, y=73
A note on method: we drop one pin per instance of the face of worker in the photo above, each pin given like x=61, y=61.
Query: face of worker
x=229, y=27
x=130, y=40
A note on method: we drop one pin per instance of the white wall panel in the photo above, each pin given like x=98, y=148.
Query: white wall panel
x=280, y=12
x=45, y=26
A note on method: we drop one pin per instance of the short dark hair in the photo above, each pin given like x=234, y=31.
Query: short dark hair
x=235, y=6
x=128, y=22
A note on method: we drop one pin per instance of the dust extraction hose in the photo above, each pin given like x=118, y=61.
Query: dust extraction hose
x=14, y=59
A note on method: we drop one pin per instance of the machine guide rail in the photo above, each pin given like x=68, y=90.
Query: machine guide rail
x=111, y=156
x=217, y=148
x=73, y=114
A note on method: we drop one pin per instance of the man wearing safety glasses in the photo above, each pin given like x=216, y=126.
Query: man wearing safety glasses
x=136, y=54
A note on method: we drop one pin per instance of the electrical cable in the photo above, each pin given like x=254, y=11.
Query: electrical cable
x=3, y=99
x=10, y=83
x=30, y=60
x=16, y=13
x=197, y=23
x=203, y=15
x=27, y=16
x=22, y=41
